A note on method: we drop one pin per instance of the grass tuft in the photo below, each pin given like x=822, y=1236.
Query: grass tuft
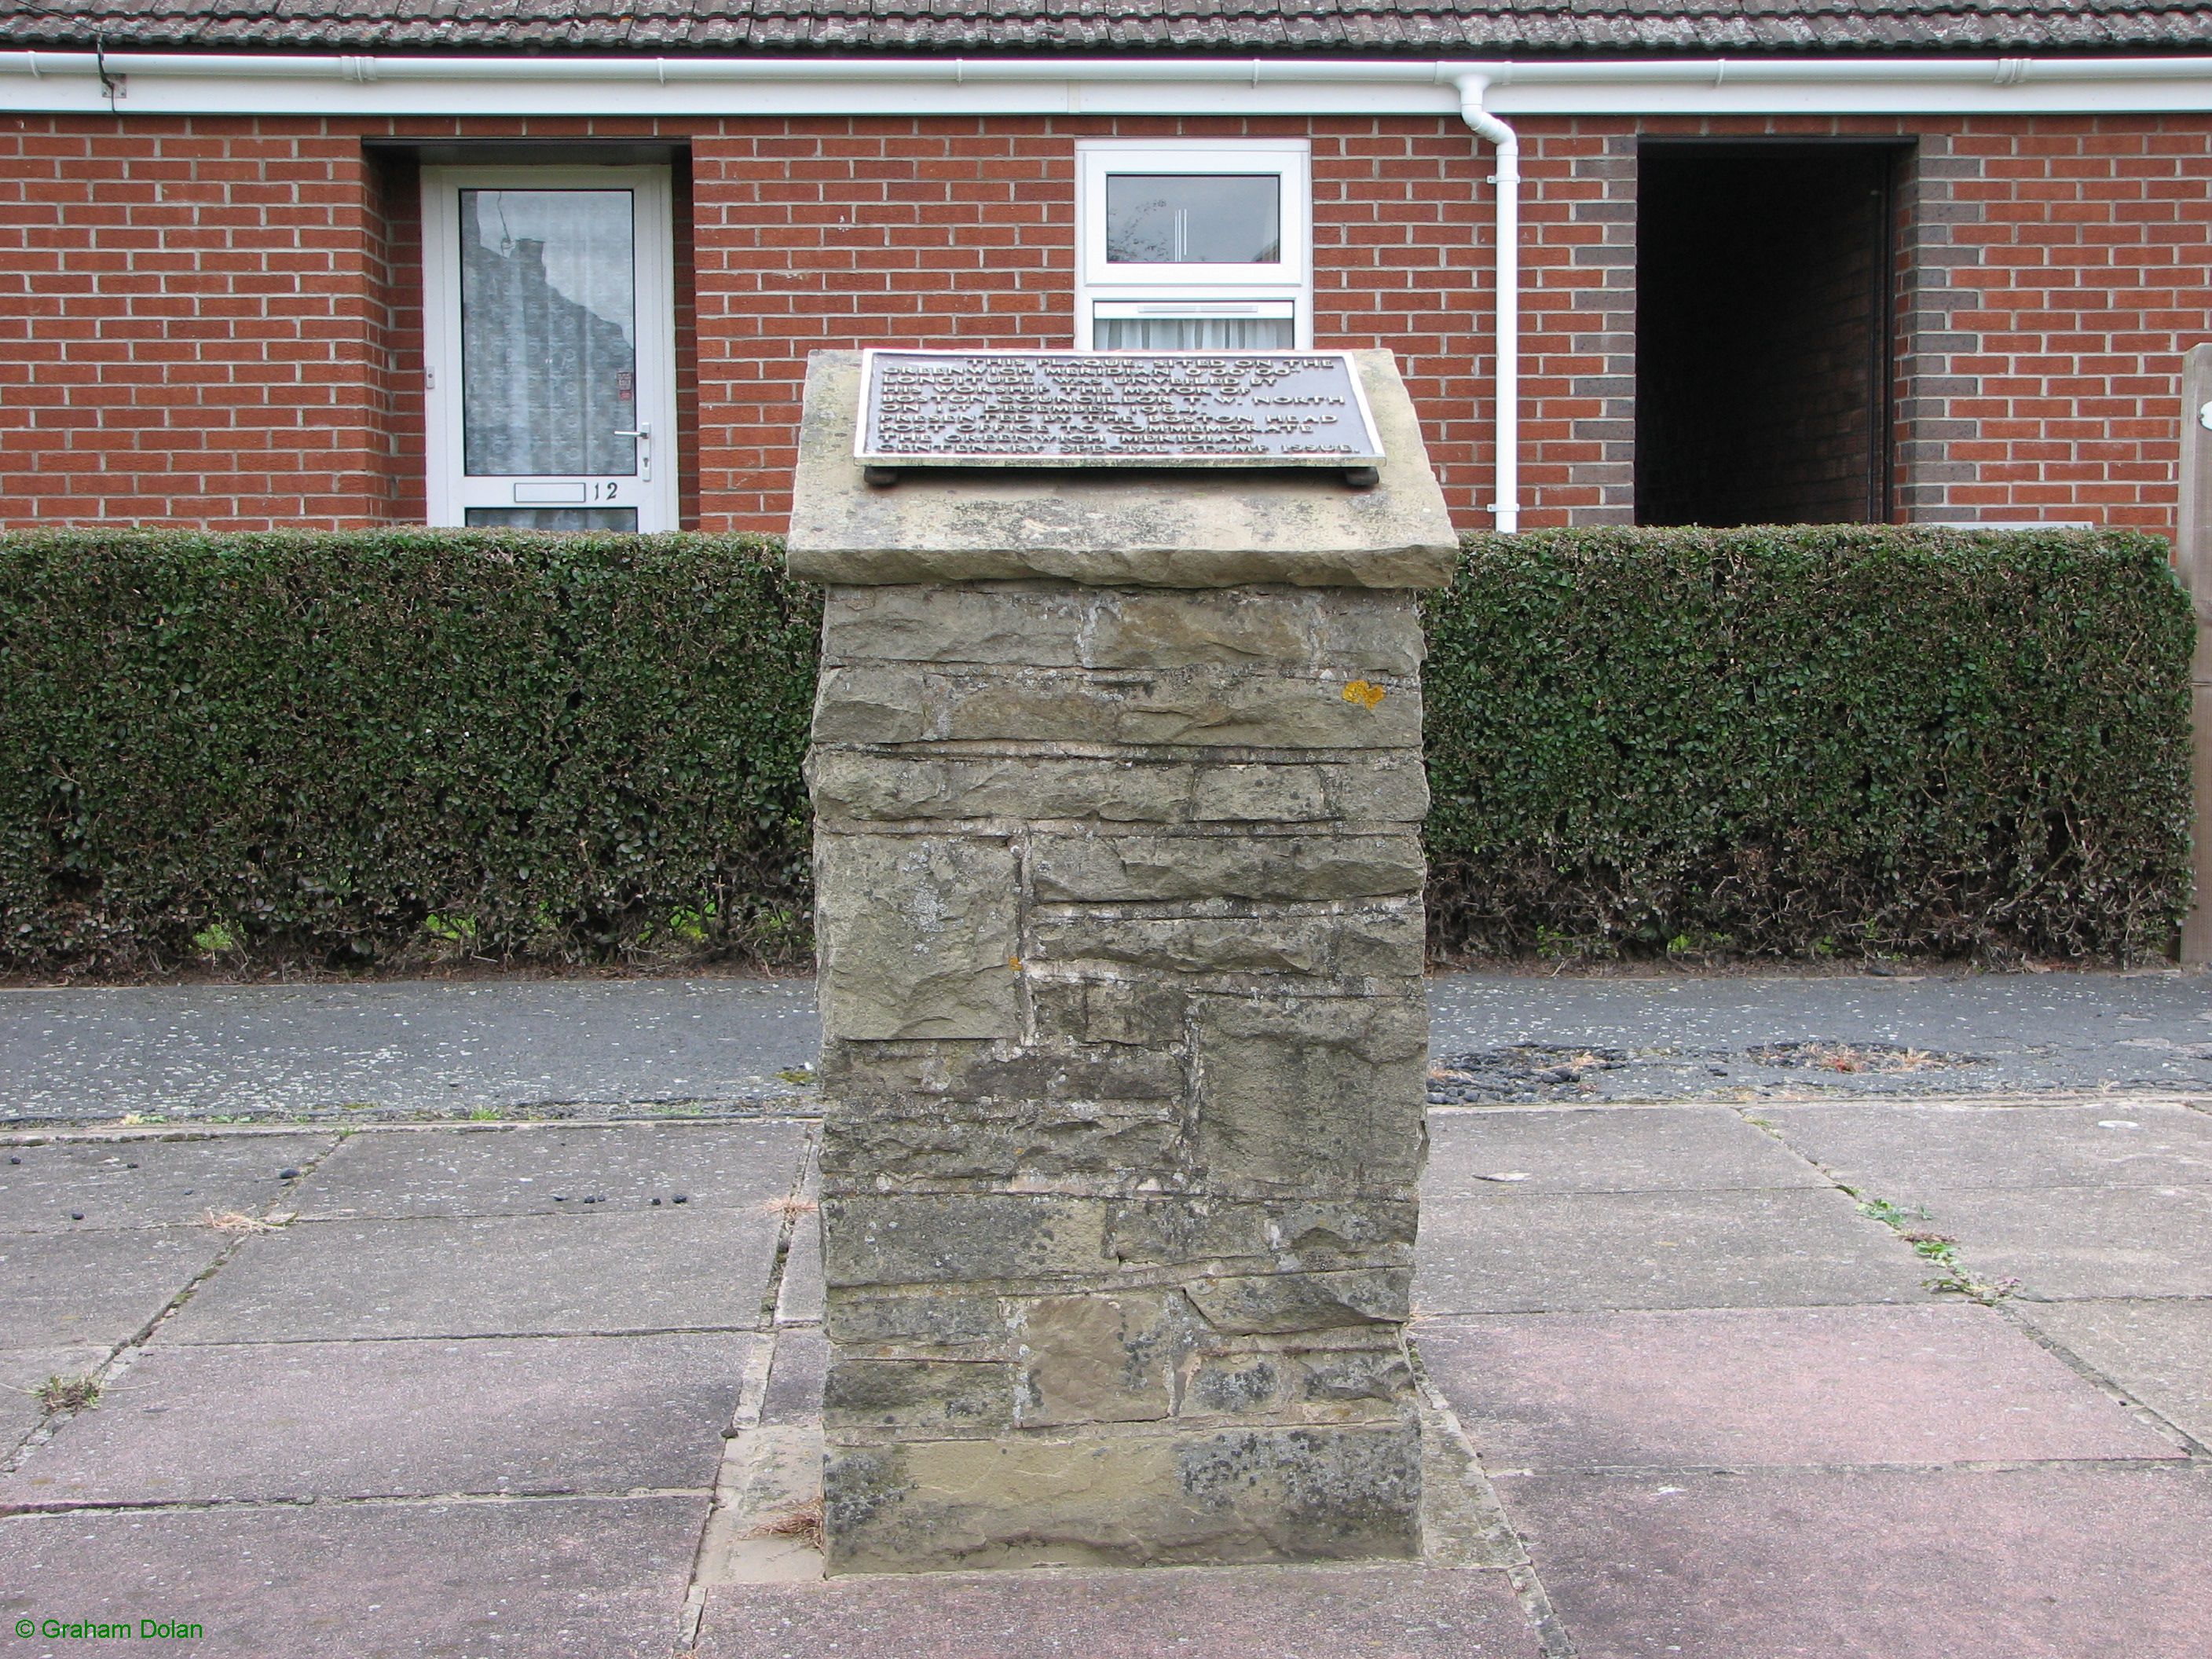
x=66, y=1394
x=801, y=1521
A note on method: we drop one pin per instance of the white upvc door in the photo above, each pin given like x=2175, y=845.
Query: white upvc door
x=549, y=336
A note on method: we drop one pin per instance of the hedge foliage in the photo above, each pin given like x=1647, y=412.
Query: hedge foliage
x=377, y=746
x=1793, y=741
x=338, y=746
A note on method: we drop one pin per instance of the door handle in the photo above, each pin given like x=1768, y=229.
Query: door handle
x=643, y=432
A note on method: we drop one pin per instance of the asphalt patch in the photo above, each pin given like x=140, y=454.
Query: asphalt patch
x=1519, y=1071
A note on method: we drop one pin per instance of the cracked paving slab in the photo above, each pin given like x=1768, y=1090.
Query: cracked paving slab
x=1761, y=1388
x=2160, y=1351
x=537, y=1169
x=1511, y=1252
x=2046, y=1562
x=1605, y=1149
x=2064, y=1242
x=303, y=1420
x=592, y=1577
x=597, y=1271
x=22, y=1371
x=96, y=1288
x=1903, y=1153
x=142, y=1180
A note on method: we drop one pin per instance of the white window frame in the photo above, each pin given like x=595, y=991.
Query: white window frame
x=1195, y=290
x=652, y=491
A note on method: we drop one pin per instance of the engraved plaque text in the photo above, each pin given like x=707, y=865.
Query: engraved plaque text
x=1298, y=409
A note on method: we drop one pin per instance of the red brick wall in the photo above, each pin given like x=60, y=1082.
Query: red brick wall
x=818, y=233
x=394, y=242
x=219, y=322
x=184, y=316
x=2056, y=268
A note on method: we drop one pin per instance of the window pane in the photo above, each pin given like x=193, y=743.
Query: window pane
x=1194, y=218
x=1193, y=334
x=549, y=347
x=552, y=518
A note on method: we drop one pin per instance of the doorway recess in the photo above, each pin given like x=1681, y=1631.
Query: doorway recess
x=1762, y=333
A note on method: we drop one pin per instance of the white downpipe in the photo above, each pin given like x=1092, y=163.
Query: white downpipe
x=1505, y=510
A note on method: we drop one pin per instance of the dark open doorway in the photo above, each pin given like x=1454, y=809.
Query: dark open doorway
x=1762, y=379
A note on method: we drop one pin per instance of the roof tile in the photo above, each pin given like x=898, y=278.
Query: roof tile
x=1380, y=27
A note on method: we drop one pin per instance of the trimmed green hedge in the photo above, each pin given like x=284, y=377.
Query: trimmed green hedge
x=338, y=746
x=383, y=746
x=1805, y=741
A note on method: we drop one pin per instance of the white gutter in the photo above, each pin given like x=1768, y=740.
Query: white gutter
x=1505, y=509
x=234, y=83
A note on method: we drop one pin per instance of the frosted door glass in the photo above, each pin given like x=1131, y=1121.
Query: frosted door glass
x=1194, y=219
x=549, y=332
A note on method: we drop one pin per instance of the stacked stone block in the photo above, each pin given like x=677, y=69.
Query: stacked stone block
x=1123, y=1068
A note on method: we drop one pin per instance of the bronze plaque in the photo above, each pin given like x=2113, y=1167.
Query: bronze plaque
x=1082, y=409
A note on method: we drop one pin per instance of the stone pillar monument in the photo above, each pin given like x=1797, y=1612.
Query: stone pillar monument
x=1118, y=790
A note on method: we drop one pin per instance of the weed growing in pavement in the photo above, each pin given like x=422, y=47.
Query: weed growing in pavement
x=69, y=1394
x=237, y=1221
x=1881, y=1210
x=1939, y=1250
x=790, y=1206
x=1933, y=1247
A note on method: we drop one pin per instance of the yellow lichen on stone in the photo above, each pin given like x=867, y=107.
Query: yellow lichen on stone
x=1365, y=693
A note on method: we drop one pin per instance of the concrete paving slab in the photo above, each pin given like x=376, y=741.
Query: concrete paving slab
x=377, y=1419
x=795, y=1380
x=1605, y=1149
x=771, y=1477
x=2159, y=1352
x=22, y=1370
x=1510, y=1252
x=2047, y=1563
x=552, y=1578
x=1903, y=1152
x=92, y=1287
x=535, y=1170
x=1683, y=1035
x=401, y=1048
x=1757, y=1389
x=1406, y=1613
x=136, y=1181
x=799, y=1299
x=585, y=1274
x=2083, y=1241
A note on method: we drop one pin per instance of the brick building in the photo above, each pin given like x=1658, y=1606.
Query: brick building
x=325, y=263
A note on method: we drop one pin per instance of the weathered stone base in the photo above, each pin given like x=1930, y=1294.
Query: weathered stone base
x=1227, y=1495
x=1123, y=1072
